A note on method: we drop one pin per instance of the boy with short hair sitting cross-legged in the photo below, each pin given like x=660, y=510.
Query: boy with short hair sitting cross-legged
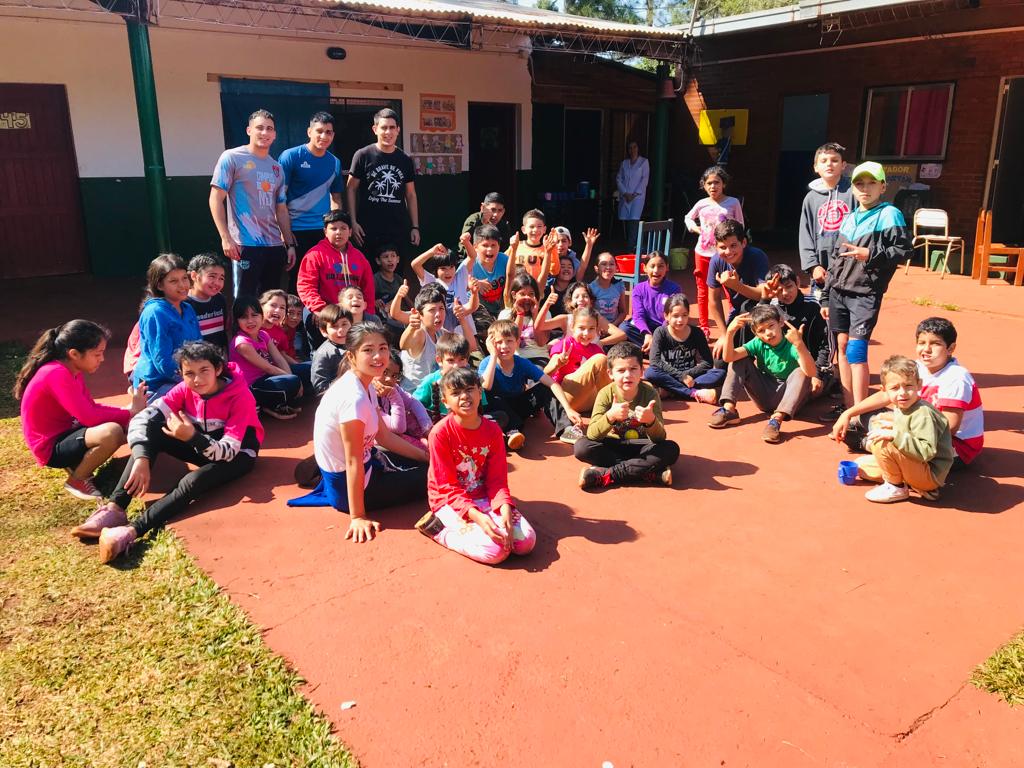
x=774, y=369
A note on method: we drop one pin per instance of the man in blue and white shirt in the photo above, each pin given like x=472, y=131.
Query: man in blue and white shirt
x=314, y=184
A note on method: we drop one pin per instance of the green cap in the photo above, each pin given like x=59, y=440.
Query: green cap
x=871, y=168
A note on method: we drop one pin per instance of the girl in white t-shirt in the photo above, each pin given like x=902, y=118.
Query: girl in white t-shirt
x=355, y=478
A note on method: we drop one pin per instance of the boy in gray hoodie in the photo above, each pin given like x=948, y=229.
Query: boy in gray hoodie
x=829, y=199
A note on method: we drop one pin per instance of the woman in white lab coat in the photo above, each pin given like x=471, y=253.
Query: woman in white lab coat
x=631, y=181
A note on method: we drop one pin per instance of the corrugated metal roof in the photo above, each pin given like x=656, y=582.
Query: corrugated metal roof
x=800, y=12
x=529, y=19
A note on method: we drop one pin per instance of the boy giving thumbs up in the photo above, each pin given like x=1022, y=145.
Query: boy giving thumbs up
x=625, y=441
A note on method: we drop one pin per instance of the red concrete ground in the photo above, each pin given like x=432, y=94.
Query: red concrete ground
x=758, y=613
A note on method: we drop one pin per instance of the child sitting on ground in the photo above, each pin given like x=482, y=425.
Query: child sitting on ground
x=386, y=283
x=403, y=414
x=570, y=268
x=295, y=329
x=946, y=384
x=739, y=271
x=626, y=440
x=63, y=426
x=419, y=340
x=578, y=364
x=334, y=324
x=538, y=255
x=648, y=302
x=506, y=377
x=913, y=448
x=579, y=296
x=452, y=274
x=329, y=267
x=804, y=312
x=523, y=307
x=610, y=296
x=207, y=420
x=681, y=361
x=774, y=369
x=276, y=389
x=354, y=301
x=274, y=304
x=472, y=511
x=490, y=270
x=452, y=351
x=167, y=321
x=206, y=272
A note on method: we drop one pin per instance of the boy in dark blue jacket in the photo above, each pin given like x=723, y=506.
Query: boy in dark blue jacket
x=872, y=242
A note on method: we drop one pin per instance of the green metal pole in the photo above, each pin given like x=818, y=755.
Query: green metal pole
x=149, y=127
x=659, y=157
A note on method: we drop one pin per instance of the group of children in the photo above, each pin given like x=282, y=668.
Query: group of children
x=426, y=397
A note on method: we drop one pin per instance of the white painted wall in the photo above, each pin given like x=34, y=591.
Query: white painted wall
x=91, y=59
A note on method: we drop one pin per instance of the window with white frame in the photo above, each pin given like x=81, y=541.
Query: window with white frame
x=908, y=122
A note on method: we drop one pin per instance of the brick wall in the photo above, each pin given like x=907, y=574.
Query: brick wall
x=975, y=63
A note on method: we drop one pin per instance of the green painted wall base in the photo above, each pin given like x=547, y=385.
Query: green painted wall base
x=119, y=230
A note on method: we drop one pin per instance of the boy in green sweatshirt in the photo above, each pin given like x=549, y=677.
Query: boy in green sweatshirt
x=625, y=441
x=914, y=448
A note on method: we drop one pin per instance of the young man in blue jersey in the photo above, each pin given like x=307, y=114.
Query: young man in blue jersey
x=873, y=240
x=313, y=183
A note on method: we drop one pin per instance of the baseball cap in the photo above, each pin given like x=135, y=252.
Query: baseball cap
x=871, y=168
x=564, y=232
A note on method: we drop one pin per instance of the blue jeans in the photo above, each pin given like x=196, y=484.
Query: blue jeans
x=633, y=334
x=304, y=371
x=275, y=391
x=707, y=380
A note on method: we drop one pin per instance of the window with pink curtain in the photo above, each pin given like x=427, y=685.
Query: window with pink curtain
x=907, y=122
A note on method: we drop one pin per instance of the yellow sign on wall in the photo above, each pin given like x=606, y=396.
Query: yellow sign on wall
x=716, y=124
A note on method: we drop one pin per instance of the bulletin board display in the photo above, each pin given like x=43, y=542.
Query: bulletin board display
x=437, y=112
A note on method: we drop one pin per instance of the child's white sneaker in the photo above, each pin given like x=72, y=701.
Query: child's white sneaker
x=887, y=493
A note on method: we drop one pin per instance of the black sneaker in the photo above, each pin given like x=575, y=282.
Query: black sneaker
x=832, y=414
x=660, y=478
x=429, y=525
x=592, y=477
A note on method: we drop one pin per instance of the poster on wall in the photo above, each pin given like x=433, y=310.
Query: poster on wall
x=437, y=165
x=436, y=143
x=720, y=125
x=437, y=112
x=898, y=176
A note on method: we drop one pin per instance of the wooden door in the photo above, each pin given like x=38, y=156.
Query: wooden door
x=492, y=153
x=41, y=230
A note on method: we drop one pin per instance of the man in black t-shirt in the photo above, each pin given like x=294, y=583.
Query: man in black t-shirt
x=382, y=190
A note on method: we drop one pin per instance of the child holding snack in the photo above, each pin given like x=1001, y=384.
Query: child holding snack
x=626, y=440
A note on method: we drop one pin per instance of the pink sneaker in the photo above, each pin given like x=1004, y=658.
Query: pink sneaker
x=82, y=489
x=107, y=516
x=116, y=541
x=706, y=396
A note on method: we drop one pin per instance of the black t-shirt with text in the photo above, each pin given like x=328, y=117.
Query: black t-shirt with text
x=382, y=179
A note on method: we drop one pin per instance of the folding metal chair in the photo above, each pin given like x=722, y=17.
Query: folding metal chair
x=935, y=219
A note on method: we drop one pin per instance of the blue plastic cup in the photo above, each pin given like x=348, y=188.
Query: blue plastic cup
x=848, y=472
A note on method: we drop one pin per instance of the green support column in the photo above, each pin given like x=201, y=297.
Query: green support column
x=659, y=157
x=149, y=127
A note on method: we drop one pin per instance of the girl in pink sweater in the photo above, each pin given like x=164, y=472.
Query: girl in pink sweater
x=63, y=426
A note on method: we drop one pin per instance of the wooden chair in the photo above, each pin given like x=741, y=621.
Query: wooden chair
x=935, y=219
x=651, y=236
x=985, y=249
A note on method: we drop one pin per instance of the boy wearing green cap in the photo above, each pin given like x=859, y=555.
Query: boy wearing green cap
x=872, y=242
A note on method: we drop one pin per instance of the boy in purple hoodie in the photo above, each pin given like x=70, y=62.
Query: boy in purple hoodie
x=208, y=420
x=648, y=302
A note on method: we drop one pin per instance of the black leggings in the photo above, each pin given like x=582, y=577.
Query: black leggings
x=628, y=460
x=209, y=475
x=521, y=406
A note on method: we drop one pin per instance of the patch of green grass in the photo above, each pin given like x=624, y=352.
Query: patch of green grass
x=1003, y=673
x=928, y=301
x=103, y=666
